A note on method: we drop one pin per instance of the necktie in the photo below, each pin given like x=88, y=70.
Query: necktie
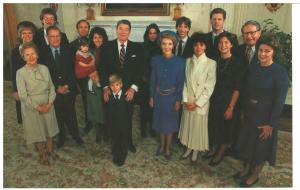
x=117, y=96
x=179, y=53
x=249, y=54
x=122, y=54
x=56, y=56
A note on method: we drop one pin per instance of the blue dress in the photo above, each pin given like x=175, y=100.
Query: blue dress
x=166, y=86
x=265, y=94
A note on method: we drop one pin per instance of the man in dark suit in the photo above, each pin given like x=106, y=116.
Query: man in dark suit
x=251, y=32
x=217, y=19
x=58, y=58
x=48, y=18
x=184, y=47
x=83, y=28
x=124, y=57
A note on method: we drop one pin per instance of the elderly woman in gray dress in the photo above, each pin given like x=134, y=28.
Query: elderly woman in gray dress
x=37, y=93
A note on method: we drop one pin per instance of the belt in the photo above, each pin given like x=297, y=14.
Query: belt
x=165, y=92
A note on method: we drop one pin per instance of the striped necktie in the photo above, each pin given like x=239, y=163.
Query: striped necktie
x=122, y=54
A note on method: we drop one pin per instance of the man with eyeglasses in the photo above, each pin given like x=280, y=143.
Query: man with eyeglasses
x=251, y=32
x=48, y=18
x=58, y=58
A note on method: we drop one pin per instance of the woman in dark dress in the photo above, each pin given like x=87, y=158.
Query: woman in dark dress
x=151, y=48
x=97, y=39
x=26, y=33
x=265, y=93
x=223, y=108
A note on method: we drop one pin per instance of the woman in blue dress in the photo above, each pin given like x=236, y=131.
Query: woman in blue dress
x=166, y=86
x=266, y=89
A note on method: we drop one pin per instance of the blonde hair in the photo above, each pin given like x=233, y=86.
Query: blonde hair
x=114, y=78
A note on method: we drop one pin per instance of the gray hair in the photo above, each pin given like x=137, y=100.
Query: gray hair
x=251, y=22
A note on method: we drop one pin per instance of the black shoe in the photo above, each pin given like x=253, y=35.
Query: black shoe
x=60, y=143
x=207, y=156
x=132, y=149
x=79, y=141
x=212, y=163
x=238, y=177
x=244, y=184
x=118, y=162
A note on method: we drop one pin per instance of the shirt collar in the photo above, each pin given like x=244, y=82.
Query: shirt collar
x=119, y=44
x=119, y=94
x=184, y=39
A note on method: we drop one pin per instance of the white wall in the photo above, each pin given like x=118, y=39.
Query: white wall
x=237, y=14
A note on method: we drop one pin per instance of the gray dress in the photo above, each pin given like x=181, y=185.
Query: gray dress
x=35, y=87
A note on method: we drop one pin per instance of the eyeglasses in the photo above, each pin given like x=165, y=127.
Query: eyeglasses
x=250, y=33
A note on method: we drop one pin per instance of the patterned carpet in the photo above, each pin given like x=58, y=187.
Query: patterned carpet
x=91, y=166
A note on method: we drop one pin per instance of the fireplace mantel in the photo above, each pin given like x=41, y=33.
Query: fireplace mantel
x=137, y=28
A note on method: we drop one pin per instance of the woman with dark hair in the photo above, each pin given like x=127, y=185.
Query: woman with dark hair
x=200, y=79
x=26, y=33
x=223, y=103
x=166, y=85
x=265, y=93
x=97, y=38
x=151, y=48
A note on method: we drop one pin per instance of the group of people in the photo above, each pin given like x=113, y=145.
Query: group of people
x=214, y=95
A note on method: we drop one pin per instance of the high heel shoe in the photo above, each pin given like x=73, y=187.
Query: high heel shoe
x=212, y=163
x=239, y=177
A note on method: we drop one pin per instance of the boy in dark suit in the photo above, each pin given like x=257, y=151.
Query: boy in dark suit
x=118, y=114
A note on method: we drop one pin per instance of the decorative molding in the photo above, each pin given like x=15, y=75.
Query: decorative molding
x=273, y=7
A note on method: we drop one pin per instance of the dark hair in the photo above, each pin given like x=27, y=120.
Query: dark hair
x=271, y=40
x=231, y=37
x=80, y=21
x=52, y=28
x=49, y=11
x=218, y=11
x=83, y=42
x=100, y=31
x=184, y=20
x=251, y=22
x=124, y=21
x=25, y=25
x=149, y=27
x=199, y=37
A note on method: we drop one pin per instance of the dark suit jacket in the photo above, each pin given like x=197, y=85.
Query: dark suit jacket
x=241, y=53
x=130, y=71
x=40, y=40
x=212, y=49
x=62, y=73
x=188, y=49
x=16, y=63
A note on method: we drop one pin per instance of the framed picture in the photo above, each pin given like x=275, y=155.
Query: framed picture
x=135, y=9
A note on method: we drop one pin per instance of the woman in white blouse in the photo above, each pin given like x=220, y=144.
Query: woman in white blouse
x=198, y=86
